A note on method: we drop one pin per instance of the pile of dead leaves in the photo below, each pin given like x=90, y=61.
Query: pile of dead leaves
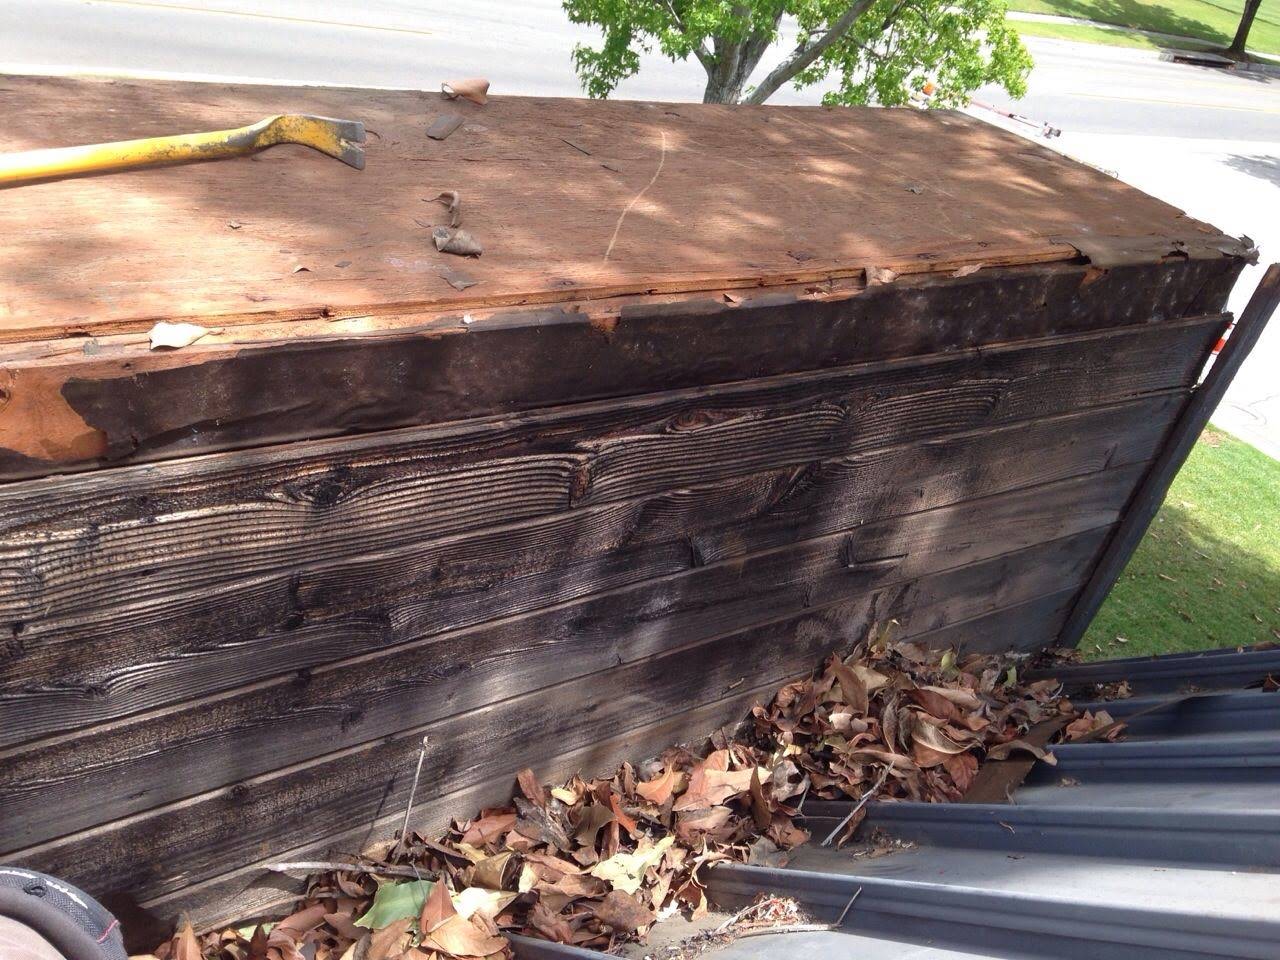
x=595, y=862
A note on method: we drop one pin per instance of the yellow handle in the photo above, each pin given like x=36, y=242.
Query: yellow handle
x=337, y=138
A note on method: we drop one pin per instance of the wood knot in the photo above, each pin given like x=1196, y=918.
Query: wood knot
x=579, y=483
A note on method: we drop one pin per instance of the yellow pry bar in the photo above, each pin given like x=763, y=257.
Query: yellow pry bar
x=337, y=138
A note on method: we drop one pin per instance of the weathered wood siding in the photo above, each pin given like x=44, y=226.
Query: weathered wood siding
x=539, y=542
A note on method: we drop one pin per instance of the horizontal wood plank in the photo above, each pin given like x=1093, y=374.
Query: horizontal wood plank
x=71, y=412
x=217, y=831
x=140, y=655
x=252, y=890
x=64, y=562
x=61, y=566
x=74, y=781
x=1028, y=626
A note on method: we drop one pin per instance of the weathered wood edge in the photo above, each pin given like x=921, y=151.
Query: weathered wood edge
x=82, y=412
x=1151, y=492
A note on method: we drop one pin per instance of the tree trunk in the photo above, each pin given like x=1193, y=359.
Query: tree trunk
x=733, y=63
x=722, y=84
x=1246, y=24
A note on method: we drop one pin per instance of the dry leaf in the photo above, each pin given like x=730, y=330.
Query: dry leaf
x=1001, y=751
x=458, y=242
x=489, y=827
x=623, y=912
x=185, y=946
x=967, y=269
x=386, y=942
x=759, y=805
x=478, y=901
x=542, y=823
x=690, y=825
x=344, y=924
x=462, y=938
x=492, y=871
x=437, y=908
x=658, y=790
x=624, y=870
x=589, y=823
x=565, y=796
x=626, y=822
x=475, y=89
x=710, y=787
x=549, y=925
x=531, y=787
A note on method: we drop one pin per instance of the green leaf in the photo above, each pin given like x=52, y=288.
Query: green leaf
x=890, y=51
x=396, y=901
x=948, y=665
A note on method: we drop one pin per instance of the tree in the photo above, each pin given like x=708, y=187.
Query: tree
x=1246, y=24
x=877, y=51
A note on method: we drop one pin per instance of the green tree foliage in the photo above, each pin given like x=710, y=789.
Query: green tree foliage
x=875, y=51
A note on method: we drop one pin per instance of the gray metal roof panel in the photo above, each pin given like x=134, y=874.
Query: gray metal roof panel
x=1163, y=845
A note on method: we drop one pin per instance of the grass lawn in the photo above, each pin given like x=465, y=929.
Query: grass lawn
x=1207, y=574
x=1214, y=21
x=1083, y=34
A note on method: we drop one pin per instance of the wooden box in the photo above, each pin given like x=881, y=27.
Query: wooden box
x=727, y=387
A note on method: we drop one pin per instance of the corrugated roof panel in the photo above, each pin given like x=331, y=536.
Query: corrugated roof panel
x=1165, y=844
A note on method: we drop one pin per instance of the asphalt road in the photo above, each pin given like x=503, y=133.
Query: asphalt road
x=1204, y=140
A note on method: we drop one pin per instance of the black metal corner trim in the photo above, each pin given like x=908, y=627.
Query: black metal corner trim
x=1151, y=493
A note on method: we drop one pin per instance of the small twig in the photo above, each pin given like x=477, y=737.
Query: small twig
x=845, y=912
x=422, y=756
x=320, y=866
x=735, y=918
x=794, y=928
x=861, y=803
x=804, y=795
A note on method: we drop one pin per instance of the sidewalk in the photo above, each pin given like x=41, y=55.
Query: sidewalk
x=1269, y=66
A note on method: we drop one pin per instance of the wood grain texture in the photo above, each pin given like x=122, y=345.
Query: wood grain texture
x=120, y=403
x=77, y=780
x=214, y=632
x=216, y=831
x=1028, y=626
x=747, y=195
x=252, y=890
x=63, y=570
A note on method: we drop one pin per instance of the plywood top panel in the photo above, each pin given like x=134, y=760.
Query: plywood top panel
x=571, y=199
